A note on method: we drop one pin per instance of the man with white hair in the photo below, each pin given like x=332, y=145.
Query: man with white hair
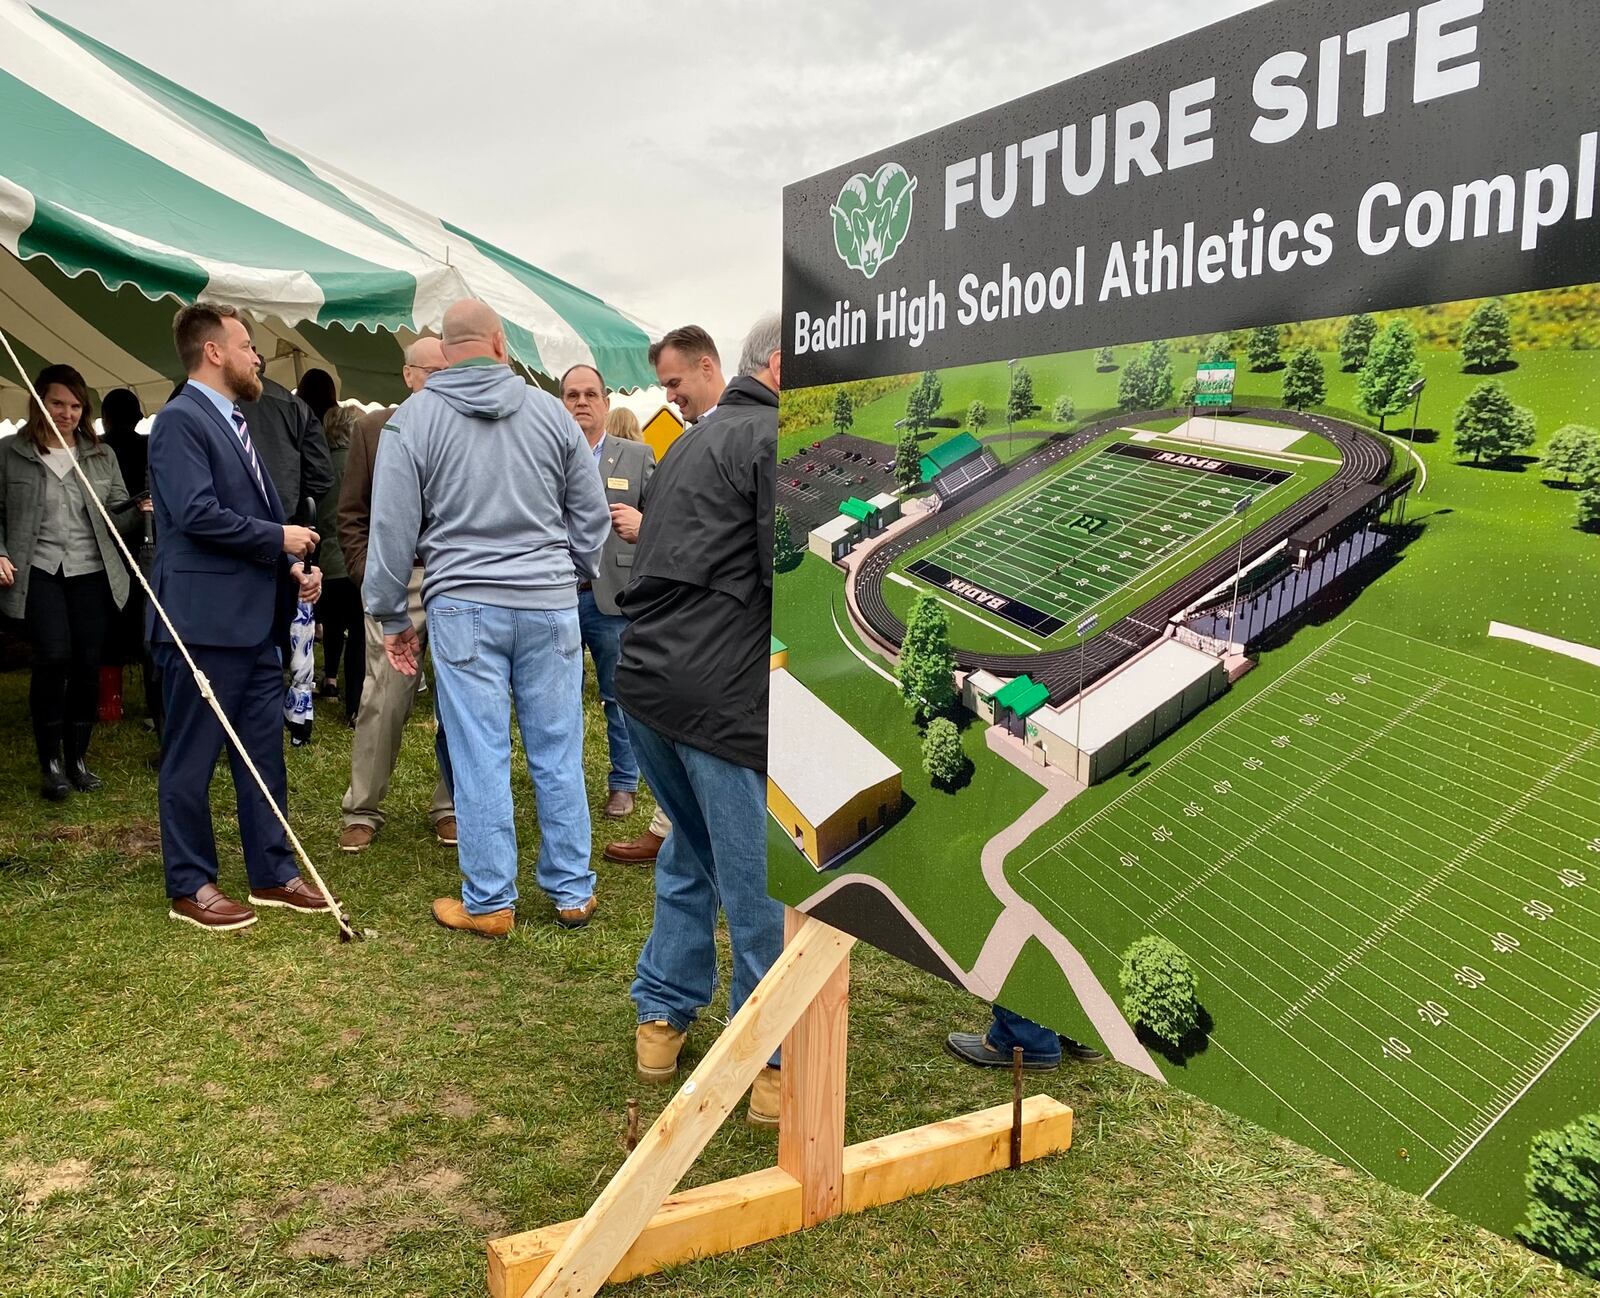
x=490, y=482
x=693, y=680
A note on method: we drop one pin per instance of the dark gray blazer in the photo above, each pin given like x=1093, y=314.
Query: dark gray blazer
x=22, y=505
x=632, y=463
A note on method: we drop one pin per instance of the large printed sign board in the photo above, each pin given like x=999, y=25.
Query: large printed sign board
x=1261, y=748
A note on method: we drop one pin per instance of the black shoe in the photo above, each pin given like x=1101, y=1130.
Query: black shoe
x=83, y=779
x=53, y=784
x=1088, y=1054
x=974, y=1048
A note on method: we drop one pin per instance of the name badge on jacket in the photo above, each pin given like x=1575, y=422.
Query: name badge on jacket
x=616, y=484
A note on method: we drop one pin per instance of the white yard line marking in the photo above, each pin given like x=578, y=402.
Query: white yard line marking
x=1528, y=1086
x=1571, y=648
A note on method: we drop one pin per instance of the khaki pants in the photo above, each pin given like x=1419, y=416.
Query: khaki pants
x=387, y=698
x=660, y=826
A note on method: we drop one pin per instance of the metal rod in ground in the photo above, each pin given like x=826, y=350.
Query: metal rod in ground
x=1016, y=1107
x=631, y=1141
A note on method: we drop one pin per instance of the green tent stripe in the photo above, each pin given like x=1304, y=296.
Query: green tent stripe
x=76, y=246
x=368, y=363
x=523, y=345
x=106, y=178
x=140, y=327
x=619, y=346
x=222, y=127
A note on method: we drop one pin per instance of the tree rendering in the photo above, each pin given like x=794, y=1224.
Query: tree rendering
x=1574, y=453
x=1490, y=425
x=1264, y=349
x=784, y=552
x=1486, y=339
x=1563, y=1219
x=1356, y=341
x=844, y=412
x=1158, y=989
x=1146, y=382
x=977, y=416
x=1105, y=359
x=1020, y=402
x=927, y=663
x=1390, y=370
x=943, y=759
x=1305, y=382
x=908, y=461
x=1063, y=410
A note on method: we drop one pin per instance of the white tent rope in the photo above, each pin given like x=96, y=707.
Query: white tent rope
x=346, y=933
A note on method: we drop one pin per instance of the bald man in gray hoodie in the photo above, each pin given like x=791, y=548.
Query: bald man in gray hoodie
x=489, y=482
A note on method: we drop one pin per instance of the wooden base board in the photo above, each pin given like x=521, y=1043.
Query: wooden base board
x=764, y=1205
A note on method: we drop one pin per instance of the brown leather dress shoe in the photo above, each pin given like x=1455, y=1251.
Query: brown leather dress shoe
x=444, y=829
x=297, y=894
x=212, y=909
x=356, y=838
x=619, y=806
x=635, y=851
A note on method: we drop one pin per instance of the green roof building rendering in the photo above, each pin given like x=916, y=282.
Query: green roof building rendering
x=1021, y=696
x=944, y=455
x=857, y=509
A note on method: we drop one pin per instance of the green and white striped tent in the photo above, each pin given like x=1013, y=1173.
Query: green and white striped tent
x=122, y=195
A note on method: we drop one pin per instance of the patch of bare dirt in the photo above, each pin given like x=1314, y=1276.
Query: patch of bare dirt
x=39, y=1182
x=355, y=1221
x=453, y=1104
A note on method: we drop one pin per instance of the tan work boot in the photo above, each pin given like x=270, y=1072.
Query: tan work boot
x=763, y=1110
x=452, y=914
x=656, y=1047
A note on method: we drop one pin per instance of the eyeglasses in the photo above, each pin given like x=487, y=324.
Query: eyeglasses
x=426, y=369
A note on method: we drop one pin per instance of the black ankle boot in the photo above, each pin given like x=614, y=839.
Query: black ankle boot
x=53, y=784
x=77, y=744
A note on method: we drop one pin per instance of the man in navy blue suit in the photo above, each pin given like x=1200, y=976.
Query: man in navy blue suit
x=229, y=571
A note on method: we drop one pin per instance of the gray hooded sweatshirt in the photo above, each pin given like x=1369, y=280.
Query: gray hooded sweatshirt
x=489, y=484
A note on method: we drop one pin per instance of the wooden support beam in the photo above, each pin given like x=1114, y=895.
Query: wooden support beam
x=811, y=1111
x=765, y=1205
x=597, y=1244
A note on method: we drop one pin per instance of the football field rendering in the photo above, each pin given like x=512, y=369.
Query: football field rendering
x=1093, y=529
x=1385, y=867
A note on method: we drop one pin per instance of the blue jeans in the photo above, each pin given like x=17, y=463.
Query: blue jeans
x=715, y=855
x=483, y=654
x=602, y=636
x=1039, y=1043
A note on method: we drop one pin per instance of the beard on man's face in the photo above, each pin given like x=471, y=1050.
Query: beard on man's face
x=244, y=380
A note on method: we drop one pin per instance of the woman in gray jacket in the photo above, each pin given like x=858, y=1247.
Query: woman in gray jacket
x=60, y=572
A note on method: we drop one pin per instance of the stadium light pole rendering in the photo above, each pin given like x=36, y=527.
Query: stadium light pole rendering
x=1084, y=627
x=1011, y=375
x=1415, y=392
x=1241, y=509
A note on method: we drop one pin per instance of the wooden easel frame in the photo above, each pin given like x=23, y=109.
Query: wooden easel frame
x=634, y=1228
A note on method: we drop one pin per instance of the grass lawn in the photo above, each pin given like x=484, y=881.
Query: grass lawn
x=273, y=1115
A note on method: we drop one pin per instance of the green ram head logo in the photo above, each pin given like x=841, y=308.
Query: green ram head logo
x=872, y=216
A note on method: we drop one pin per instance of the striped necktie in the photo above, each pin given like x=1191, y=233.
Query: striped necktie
x=249, y=450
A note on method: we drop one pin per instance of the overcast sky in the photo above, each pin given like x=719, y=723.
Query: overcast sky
x=638, y=149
